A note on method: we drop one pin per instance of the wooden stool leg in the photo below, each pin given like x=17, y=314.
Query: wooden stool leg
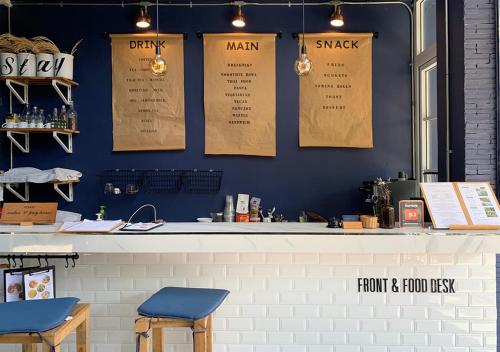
x=200, y=335
x=209, y=334
x=158, y=340
x=141, y=329
x=83, y=336
x=29, y=347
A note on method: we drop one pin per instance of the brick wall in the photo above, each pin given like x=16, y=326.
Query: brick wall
x=480, y=90
x=283, y=302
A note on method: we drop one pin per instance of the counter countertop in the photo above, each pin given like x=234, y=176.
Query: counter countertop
x=249, y=237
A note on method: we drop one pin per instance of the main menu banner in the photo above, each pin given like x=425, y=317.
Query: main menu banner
x=336, y=97
x=240, y=94
x=148, y=111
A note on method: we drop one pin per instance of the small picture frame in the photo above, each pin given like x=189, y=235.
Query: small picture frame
x=39, y=283
x=411, y=213
x=13, y=289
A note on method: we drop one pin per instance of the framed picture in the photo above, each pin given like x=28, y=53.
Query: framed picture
x=39, y=283
x=13, y=284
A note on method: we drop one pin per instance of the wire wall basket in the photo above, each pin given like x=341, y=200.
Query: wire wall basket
x=125, y=181
x=116, y=182
x=163, y=181
x=199, y=181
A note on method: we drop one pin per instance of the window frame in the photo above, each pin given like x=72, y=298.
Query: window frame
x=425, y=60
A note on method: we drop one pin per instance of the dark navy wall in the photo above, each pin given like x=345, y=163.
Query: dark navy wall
x=325, y=180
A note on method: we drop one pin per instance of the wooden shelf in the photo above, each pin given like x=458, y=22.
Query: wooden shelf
x=40, y=81
x=39, y=130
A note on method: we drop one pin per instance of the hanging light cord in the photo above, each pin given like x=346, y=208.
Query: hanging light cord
x=303, y=26
x=158, y=49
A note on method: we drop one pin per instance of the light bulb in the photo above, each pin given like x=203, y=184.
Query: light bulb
x=158, y=65
x=143, y=20
x=239, y=20
x=303, y=65
x=337, y=18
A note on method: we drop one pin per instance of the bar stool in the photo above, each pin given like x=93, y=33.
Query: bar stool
x=178, y=307
x=45, y=321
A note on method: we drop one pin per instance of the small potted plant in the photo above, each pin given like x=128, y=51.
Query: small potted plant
x=45, y=50
x=8, y=56
x=26, y=59
x=64, y=62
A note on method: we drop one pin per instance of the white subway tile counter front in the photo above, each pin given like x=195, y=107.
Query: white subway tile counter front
x=294, y=287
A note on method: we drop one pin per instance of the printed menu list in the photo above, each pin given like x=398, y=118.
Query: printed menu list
x=240, y=101
x=336, y=97
x=239, y=88
x=148, y=110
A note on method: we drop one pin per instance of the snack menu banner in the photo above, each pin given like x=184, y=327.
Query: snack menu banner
x=240, y=94
x=148, y=110
x=336, y=97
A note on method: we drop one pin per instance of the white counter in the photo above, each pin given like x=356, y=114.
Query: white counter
x=248, y=237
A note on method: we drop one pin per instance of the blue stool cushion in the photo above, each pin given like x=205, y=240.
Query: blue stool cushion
x=183, y=303
x=35, y=316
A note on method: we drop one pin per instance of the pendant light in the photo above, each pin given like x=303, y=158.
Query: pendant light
x=158, y=65
x=303, y=65
x=337, y=18
x=143, y=20
x=239, y=19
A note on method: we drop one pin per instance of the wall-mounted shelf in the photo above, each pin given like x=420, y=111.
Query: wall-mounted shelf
x=24, y=143
x=25, y=196
x=58, y=83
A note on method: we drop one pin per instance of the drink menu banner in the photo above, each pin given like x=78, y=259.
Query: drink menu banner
x=148, y=110
x=240, y=94
x=336, y=97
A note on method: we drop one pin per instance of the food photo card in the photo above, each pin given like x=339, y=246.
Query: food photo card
x=39, y=283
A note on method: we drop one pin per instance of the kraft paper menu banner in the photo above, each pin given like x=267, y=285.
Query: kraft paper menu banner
x=336, y=97
x=148, y=111
x=240, y=94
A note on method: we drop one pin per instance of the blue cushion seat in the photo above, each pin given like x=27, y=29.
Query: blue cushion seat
x=183, y=303
x=35, y=316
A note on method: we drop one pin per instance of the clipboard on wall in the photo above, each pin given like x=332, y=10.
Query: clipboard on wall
x=462, y=205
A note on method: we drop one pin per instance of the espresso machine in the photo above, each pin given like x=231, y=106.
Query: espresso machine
x=402, y=188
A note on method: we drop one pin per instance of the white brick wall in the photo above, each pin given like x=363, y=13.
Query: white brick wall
x=480, y=90
x=295, y=302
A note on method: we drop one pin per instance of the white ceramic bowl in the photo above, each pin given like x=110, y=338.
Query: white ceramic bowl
x=204, y=220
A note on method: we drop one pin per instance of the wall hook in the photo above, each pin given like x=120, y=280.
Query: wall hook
x=46, y=260
x=67, y=263
x=74, y=263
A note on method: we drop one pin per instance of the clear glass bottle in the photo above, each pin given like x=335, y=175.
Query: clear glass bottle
x=32, y=118
x=63, y=117
x=55, y=119
x=40, y=118
x=72, y=118
x=25, y=114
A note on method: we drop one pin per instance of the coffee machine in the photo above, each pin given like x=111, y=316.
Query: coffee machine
x=402, y=188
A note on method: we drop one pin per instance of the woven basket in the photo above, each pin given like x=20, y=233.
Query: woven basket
x=369, y=221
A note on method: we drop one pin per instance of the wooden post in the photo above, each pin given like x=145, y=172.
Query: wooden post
x=209, y=334
x=142, y=327
x=158, y=340
x=83, y=335
x=200, y=335
x=29, y=347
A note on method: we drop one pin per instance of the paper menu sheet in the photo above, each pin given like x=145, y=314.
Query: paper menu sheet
x=443, y=204
x=480, y=203
x=91, y=226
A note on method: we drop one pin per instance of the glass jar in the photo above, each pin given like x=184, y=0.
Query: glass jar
x=387, y=219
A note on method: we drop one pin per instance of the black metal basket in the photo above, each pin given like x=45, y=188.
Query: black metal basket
x=202, y=182
x=128, y=181
x=163, y=181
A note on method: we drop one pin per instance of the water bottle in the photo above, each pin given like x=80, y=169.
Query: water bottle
x=229, y=209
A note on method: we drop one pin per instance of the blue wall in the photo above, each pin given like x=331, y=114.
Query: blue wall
x=324, y=180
